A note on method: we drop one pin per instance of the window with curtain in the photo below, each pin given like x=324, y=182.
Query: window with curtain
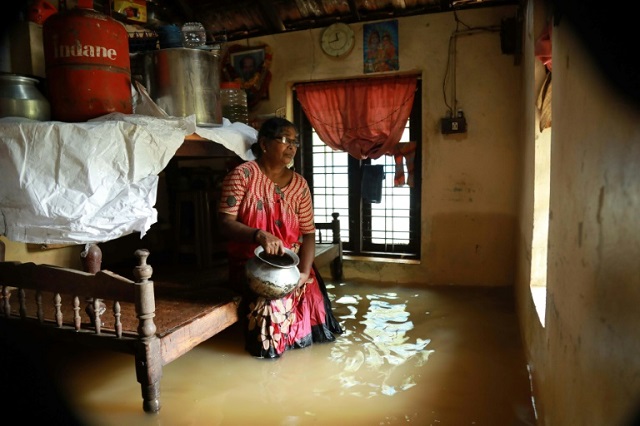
x=365, y=165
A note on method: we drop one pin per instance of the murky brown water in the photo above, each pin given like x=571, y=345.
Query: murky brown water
x=443, y=356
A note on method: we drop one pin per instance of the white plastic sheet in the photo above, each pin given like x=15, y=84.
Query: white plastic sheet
x=237, y=137
x=65, y=183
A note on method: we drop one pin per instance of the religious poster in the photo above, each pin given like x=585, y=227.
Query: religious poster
x=381, y=46
x=250, y=67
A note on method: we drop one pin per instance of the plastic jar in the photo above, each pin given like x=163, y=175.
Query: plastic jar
x=193, y=35
x=233, y=100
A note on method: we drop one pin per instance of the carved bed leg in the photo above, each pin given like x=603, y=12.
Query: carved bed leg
x=148, y=356
x=149, y=373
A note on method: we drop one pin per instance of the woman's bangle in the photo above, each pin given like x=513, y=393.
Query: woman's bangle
x=255, y=235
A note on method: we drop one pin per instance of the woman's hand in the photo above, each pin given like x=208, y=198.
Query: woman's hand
x=269, y=242
x=304, y=277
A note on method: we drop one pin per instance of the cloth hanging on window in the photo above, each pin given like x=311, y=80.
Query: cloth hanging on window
x=544, y=103
x=404, y=151
x=372, y=177
x=542, y=48
x=365, y=118
x=542, y=51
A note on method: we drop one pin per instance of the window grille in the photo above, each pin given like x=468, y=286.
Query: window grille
x=390, y=228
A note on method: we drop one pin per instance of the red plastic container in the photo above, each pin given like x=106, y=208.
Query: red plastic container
x=87, y=65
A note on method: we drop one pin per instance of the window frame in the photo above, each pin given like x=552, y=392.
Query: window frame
x=358, y=236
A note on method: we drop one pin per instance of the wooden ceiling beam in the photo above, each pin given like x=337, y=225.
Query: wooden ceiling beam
x=268, y=10
x=265, y=19
x=354, y=10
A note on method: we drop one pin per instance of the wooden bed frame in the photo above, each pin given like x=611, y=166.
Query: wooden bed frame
x=329, y=253
x=155, y=322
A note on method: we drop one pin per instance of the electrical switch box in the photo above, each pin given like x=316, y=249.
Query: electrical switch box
x=453, y=125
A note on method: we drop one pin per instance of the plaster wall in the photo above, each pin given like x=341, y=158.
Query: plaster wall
x=534, y=334
x=68, y=256
x=584, y=361
x=469, y=200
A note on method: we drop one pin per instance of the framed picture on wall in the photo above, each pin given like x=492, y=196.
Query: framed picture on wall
x=380, y=46
x=250, y=67
x=247, y=63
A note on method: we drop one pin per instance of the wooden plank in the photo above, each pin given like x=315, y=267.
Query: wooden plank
x=184, y=338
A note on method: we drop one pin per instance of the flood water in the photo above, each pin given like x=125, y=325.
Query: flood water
x=438, y=356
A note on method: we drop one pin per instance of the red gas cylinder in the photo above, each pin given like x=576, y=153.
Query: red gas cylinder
x=87, y=64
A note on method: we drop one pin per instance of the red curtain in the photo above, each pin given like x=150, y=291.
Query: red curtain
x=365, y=117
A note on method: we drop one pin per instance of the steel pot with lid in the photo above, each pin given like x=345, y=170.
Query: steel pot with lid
x=20, y=97
x=273, y=276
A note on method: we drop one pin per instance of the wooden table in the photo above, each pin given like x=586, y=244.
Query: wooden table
x=195, y=146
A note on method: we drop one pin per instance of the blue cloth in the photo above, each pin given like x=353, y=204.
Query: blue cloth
x=372, y=176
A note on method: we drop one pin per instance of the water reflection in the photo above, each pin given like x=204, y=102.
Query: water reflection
x=373, y=349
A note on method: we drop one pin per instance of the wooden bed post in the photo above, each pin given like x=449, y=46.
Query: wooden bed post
x=91, y=258
x=148, y=356
x=336, y=265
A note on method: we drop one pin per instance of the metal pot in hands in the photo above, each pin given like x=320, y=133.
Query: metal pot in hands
x=273, y=276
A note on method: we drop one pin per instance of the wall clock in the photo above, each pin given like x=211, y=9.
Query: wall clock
x=338, y=40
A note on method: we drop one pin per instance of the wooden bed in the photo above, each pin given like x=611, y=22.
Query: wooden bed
x=154, y=322
x=329, y=252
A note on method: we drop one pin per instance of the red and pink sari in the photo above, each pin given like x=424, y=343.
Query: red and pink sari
x=302, y=317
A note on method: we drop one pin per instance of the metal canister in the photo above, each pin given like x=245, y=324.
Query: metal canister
x=184, y=82
x=87, y=65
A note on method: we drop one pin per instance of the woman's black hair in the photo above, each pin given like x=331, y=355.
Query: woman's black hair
x=272, y=128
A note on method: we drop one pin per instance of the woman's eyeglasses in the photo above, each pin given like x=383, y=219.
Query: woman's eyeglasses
x=285, y=140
